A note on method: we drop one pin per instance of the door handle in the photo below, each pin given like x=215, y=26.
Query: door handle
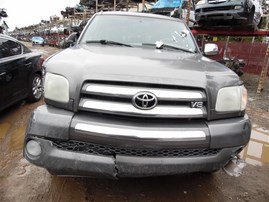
x=28, y=64
x=2, y=74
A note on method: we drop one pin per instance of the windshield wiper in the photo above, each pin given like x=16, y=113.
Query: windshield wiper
x=108, y=42
x=168, y=46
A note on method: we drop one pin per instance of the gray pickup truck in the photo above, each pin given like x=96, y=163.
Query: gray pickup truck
x=135, y=97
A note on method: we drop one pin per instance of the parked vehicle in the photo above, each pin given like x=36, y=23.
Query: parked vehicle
x=3, y=26
x=53, y=40
x=89, y=3
x=38, y=40
x=265, y=7
x=239, y=13
x=177, y=9
x=3, y=13
x=20, y=72
x=135, y=97
x=45, y=41
x=68, y=41
x=234, y=64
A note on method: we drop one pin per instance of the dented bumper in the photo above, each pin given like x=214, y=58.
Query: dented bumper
x=67, y=149
x=65, y=163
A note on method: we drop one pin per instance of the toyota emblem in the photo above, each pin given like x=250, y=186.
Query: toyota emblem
x=144, y=100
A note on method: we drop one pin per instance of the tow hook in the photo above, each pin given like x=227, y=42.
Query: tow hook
x=235, y=166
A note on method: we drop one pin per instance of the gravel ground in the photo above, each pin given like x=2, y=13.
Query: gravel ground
x=258, y=105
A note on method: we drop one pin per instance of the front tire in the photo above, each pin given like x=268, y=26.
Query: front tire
x=35, y=89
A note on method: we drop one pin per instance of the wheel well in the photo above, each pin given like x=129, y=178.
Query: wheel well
x=253, y=9
x=39, y=72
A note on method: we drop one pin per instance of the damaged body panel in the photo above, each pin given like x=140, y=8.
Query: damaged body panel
x=126, y=109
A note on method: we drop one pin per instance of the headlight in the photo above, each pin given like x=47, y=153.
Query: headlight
x=56, y=88
x=237, y=7
x=200, y=2
x=231, y=99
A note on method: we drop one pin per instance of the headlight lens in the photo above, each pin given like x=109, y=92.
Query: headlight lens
x=244, y=100
x=231, y=99
x=56, y=88
x=200, y=2
x=237, y=7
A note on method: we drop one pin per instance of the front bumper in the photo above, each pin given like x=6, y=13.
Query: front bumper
x=221, y=13
x=135, y=145
x=37, y=43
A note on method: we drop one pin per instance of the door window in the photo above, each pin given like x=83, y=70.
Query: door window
x=9, y=48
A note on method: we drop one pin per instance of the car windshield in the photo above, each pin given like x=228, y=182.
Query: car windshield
x=37, y=38
x=139, y=31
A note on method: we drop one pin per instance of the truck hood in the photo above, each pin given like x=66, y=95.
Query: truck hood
x=139, y=65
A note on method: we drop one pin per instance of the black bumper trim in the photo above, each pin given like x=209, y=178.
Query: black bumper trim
x=66, y=163
x=106, y=150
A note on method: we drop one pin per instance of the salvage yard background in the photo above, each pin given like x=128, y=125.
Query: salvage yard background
x=251, y=52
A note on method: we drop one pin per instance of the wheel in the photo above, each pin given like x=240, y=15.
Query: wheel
x=35, y=89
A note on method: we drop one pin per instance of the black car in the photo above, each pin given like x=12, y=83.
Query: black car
x=20, y=72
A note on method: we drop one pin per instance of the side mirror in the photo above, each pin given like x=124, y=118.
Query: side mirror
x=69, y=41
x=211, y=49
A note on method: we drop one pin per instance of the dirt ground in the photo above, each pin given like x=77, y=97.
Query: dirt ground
x=258, y=105
x=21, y=181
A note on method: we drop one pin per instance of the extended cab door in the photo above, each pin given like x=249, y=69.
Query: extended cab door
x=14, y=71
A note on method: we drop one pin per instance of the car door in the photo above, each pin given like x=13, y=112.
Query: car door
x=14, y=71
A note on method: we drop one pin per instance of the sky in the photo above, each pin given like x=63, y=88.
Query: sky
x=22, y=13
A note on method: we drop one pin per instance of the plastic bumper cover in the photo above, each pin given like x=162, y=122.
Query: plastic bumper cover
x=52, y=123
x=60, y=162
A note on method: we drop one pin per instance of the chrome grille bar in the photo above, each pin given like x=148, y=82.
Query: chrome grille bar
x=121, y=100
x=141, y=134
x=129, y=109
x=130, y=91
x=216, y=1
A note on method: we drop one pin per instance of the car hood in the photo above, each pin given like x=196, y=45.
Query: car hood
x=139, y=65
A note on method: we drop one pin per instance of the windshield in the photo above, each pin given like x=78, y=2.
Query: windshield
x=37, y=38
x=139, y=31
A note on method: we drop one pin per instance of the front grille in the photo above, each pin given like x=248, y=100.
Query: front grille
x=216, y=1
x=106, y=150
x=118, y=99
x=221, y=8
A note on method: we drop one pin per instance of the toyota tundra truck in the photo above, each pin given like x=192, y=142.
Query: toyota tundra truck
x=136, y=97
